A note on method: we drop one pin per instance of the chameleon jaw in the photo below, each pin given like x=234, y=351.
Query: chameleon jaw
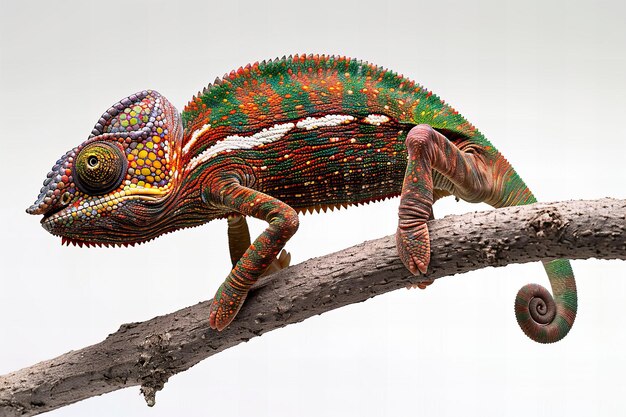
x=97, y=207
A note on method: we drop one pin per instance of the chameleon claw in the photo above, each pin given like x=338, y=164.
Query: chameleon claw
x=422, y=285
x=281, y=262
x=421, y=266
x=415, y=266
x=284, y=259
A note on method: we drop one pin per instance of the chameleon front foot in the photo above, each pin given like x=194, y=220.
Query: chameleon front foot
x=225, y=306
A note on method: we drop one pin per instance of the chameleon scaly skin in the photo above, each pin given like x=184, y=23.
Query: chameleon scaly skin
x=277, y=138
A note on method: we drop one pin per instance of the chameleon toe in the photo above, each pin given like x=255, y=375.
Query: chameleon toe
x=414, y=249
x=225, y=306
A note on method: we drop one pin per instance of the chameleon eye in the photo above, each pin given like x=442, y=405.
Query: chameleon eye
x=100, y=167
x=92, y=161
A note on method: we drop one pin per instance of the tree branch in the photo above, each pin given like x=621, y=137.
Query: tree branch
x=148, y=353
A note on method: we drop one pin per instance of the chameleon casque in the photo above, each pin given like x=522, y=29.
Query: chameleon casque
x=275, y=139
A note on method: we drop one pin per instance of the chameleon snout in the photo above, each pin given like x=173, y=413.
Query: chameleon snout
x=56, y=192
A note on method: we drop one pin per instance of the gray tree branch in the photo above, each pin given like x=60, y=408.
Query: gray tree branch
x=148, y=353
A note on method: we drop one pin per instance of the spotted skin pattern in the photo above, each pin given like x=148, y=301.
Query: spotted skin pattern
x=277, y=138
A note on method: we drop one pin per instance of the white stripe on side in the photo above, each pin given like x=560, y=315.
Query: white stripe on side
x=233, y=142
x=325, y=121
x=271, y=134
x=376, y=119
x=195, y=135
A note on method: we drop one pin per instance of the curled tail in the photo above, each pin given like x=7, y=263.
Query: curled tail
x=544, y=317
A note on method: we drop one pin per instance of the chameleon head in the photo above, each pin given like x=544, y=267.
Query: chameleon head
x=116, y=187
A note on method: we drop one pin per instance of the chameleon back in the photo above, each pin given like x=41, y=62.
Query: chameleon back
x=317, y=131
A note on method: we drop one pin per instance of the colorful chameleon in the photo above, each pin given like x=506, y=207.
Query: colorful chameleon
x=277, y=138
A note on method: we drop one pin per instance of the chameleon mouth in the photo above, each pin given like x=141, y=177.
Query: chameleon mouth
x=52, y=212
x=82, y=211
x=97, y=207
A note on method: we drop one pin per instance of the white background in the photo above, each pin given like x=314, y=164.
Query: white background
x=545, y=82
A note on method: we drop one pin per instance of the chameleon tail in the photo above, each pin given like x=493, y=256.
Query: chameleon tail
x=545, y=318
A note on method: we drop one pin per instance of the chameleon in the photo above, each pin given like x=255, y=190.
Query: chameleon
x=273, y=140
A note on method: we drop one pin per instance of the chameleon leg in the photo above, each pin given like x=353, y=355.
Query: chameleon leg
x=283, y=223
x=239, y=242
x=238, y=236
x=429, y=150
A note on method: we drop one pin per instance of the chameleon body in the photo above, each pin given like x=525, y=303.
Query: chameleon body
x=277, y=138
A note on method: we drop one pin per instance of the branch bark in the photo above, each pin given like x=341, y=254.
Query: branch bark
x=148, y=353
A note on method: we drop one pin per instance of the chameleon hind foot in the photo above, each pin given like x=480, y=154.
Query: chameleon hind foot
x=413, y=247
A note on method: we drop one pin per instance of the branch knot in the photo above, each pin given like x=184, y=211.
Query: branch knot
x=547, y=222
x=154, y=355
